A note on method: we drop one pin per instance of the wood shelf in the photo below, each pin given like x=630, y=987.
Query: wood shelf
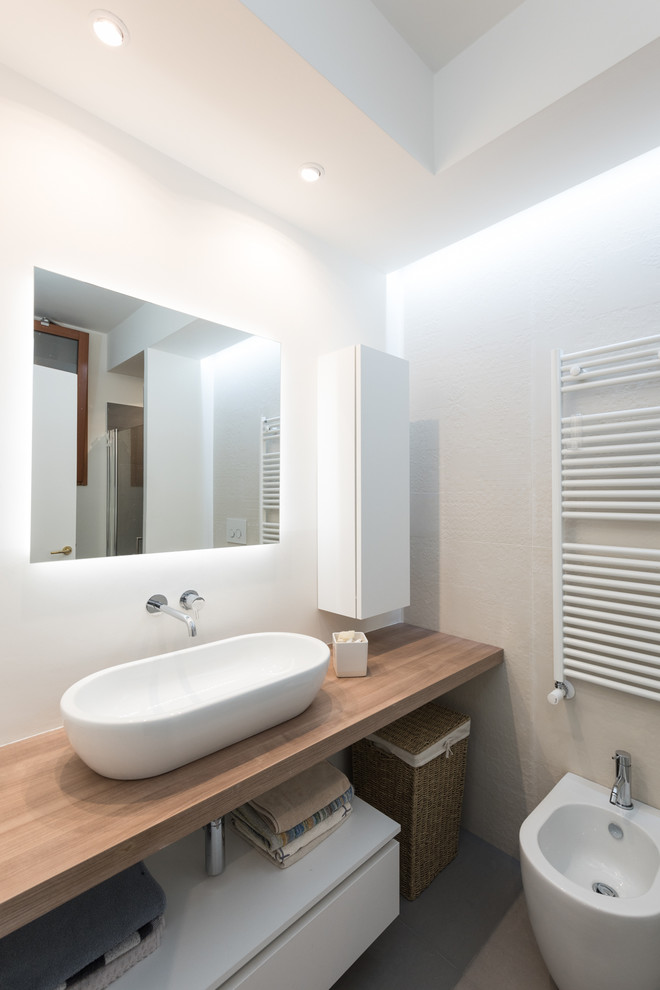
x=64, y=828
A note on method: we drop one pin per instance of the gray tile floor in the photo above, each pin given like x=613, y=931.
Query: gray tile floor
x=468, y=931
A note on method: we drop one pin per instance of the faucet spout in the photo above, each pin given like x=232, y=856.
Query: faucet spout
x=188, y=619
x=158, y=603
x=620, y=794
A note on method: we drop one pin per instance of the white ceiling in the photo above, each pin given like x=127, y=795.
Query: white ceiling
x=432, y=118
x=439, y=30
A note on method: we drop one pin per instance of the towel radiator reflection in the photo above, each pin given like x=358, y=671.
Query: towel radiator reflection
x=270, y=480
x=606, y=510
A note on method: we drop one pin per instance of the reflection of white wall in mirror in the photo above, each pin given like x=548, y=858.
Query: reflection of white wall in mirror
x=104, y=387
x=53, y=463
x=246, y=388
x=144, y=328
x=173, y=453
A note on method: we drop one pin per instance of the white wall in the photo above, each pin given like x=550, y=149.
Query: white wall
x=83, y=200
x=174, y=453
x=479, y=321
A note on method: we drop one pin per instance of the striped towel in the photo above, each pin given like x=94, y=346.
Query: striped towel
x=297, y=848
x=250, y=817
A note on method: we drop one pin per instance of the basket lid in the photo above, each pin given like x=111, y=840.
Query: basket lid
x=423, y=734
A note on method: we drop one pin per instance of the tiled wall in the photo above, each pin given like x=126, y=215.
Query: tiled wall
x=480, y=320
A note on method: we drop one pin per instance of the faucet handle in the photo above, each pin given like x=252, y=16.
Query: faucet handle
x=623, y=758
x=191, y=600
x=155, y=602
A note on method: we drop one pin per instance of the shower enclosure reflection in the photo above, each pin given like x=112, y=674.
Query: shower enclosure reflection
x=172, y=447
x=125, y=480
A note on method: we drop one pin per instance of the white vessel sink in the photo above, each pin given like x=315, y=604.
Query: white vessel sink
x=149, y=716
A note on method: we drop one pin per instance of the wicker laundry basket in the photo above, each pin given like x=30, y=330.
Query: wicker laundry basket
x=413, y=770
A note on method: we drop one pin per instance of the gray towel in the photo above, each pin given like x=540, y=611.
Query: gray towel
x=115, y=963
x=46, y=952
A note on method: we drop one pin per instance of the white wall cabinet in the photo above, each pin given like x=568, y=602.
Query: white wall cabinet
x=256, y=927
x=363, y=482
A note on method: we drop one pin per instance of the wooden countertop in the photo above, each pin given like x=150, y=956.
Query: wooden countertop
x=64, y=828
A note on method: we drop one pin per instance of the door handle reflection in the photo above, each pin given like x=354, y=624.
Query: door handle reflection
x=65, y=550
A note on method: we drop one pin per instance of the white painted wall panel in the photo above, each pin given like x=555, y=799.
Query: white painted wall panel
x=89, y=202
x=174, y=496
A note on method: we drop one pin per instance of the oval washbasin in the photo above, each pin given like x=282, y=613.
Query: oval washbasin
x=149, y=716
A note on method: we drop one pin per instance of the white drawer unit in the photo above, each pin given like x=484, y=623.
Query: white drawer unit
x=256, y=926
x=316, y=950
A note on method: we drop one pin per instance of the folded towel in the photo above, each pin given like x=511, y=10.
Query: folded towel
x=263, y=842
x=295, y=850
x=285, y=806
x=276, y=840
x=49, y=950
x=107, y=969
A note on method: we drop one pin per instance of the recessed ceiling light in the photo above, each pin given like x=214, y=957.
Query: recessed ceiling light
x=108, y=28
x=311, y=172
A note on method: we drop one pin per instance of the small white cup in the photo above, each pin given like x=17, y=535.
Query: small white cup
x=350, y=659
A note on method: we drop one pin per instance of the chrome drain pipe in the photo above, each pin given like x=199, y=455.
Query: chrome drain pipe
x=214, y=847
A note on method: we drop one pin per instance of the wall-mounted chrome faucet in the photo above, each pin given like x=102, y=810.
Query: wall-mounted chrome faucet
x=620, y=795
x=188, y=600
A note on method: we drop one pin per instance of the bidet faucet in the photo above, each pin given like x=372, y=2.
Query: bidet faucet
x=620, y=795
x=158, y=603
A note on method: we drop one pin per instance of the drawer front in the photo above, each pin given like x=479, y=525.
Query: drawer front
x=316, y=950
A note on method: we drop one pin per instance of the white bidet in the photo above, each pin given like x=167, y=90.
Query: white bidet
x=591, y=876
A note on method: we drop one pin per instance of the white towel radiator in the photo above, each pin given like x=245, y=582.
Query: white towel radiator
x=606, y=516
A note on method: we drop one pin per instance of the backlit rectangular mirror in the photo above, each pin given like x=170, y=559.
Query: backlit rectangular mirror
x=152, y=430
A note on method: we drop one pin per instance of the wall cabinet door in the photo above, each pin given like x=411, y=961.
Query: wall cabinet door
x=363, y=483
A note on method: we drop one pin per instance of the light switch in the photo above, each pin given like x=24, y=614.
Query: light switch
x=236, y=530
